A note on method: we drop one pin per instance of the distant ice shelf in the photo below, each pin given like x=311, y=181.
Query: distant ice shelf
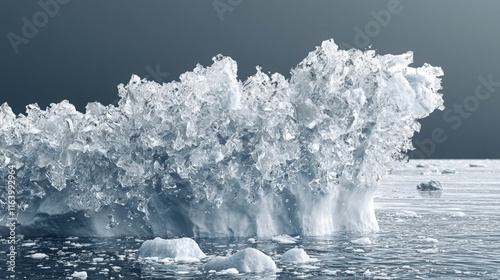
x=210, y=155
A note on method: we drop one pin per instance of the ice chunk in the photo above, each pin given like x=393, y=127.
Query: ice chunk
x=249, y=260
x=210, y=155
x=457, y=214
x=430, y=240
x=171, y=248
x=448, y=171
x=428, y=251
x=362, y=241
x=350, y=272
x=295, y=255
x=329, y=272
x=80, y=275
x=430, y=186
x=39, y=256
x=229, y=271
x=407, y=213
x=476, y=165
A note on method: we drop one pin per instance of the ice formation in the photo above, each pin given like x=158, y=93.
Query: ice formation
x=249, y=260
x=432, y=185
x=362, y=241
x=170, y=248
x=79, y=275
x=210, y=155
x=296, y=255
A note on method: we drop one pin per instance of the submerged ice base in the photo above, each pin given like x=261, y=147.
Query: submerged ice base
x=210, y=155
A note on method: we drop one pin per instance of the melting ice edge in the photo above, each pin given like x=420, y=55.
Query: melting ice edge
x=210, y=155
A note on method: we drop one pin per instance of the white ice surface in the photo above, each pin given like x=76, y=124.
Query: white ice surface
x=362, y=241
x=249, y=260
x=210, y=155
x=39, y=256
x=79, y=275
x=171, y=248
x=296, y=255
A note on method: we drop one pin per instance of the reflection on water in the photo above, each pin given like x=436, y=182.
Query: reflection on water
x=430, y=194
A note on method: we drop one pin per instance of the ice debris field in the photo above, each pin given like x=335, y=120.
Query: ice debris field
x=248, y=260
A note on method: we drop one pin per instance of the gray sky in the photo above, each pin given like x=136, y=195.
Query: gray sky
x=81, y=50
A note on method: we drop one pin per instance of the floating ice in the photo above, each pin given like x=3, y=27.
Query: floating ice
x=430, y=186
x=229, y=271
x=296, y=255
x=407, y=213
x=210, y=155
x=249, y=260
x=430, y=240
x=329, y=272
x=362, y=241
x=39, y=256
x=428, y=251
x=79, y=274
x=457, y=214
x=171, y=248
x=448, y=171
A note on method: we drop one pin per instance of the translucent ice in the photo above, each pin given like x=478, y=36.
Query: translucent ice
x=210, y=155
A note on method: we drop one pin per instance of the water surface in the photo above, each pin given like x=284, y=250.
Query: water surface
x=451, y=234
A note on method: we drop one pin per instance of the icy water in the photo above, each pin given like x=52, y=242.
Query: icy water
x=452, y=234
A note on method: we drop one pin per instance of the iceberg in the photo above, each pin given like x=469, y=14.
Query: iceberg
x=211, y=155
